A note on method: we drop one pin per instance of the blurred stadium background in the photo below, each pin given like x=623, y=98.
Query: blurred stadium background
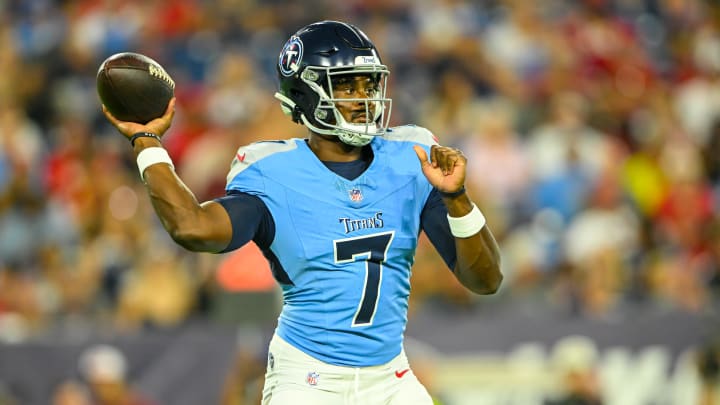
x=592, y=129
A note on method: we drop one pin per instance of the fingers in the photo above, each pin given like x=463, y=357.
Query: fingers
x=122, y=127
x=109, y=116
x=160, y=125
x=157, y=126
x=446, y=158
x=443, y=157
x=422, y=155
x=170, y=110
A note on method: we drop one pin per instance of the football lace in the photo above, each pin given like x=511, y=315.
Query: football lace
x=160, y=73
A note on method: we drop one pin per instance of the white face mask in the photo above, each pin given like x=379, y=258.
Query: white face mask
x=354, y=134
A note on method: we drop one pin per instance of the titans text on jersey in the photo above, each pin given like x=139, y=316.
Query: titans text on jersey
x=356, y=224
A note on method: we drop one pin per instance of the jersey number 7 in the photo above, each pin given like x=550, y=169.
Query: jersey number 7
x=372, y=249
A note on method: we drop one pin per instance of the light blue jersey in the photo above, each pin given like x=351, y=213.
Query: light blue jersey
x=346, y=246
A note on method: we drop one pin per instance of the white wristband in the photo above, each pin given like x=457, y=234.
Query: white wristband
x=150, y=156
x=468, y=225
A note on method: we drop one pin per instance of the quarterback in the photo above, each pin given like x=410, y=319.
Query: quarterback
x=337, y=215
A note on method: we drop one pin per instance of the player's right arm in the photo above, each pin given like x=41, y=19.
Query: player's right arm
x=199, y=227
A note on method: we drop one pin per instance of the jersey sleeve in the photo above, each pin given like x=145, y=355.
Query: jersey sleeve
x=246, y=193
x=435, y=224
x=250, y=219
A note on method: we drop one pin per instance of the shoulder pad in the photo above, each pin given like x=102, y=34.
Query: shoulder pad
x=411, y=133
x=256, y=151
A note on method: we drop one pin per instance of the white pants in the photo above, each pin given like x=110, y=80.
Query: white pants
x=294, y=377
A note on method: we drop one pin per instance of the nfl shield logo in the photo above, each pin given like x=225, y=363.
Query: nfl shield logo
x=355, y=195
x=312, y=378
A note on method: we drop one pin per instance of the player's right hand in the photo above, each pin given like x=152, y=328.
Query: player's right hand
x=158, y=126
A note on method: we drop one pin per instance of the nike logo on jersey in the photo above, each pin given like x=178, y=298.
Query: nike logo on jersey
x=240, y=157
x=400, y=374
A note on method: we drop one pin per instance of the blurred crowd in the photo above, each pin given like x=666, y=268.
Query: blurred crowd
x=591, y=128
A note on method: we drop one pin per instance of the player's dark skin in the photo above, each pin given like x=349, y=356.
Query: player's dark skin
x=206, y=227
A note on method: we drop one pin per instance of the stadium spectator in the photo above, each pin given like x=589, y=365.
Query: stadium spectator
x=575, y=358
x=105, y=370
x=708, y=366
x=71, y=392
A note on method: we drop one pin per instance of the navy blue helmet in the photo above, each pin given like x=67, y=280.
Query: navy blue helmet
x=312, y=60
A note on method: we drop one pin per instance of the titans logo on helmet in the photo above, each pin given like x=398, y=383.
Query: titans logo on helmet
x=290, y=57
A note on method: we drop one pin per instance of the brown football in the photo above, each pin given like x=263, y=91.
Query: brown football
x=134, y=87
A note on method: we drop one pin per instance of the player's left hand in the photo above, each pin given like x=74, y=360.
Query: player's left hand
x=446, y=168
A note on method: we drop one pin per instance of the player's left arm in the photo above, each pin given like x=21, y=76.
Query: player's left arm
x=477, y=264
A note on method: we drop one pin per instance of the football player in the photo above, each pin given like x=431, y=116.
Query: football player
x=337, y=215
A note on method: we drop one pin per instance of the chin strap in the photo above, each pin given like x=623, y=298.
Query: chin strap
x=352, y=137
x=355, y=139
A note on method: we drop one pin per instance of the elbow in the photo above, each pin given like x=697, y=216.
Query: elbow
x=188, y=237
x=182, y=238
x=493, y=286
x=487, y=286
x=485, y=280
x=196, y=231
